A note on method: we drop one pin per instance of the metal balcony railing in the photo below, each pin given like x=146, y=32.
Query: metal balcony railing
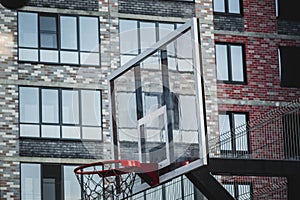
x=255, y=188
x=274, y=135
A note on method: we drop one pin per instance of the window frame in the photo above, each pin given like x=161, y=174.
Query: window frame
x=229, y=63
x=60, y=124
x=283, y=13
x=59, y=47
x=60, y=182
x=157, y=38
x=226, y=12
x=236, y=187
x=233, y=138
x=286, y=78
x=174, y=106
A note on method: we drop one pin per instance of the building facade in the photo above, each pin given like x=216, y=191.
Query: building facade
x=55, y=57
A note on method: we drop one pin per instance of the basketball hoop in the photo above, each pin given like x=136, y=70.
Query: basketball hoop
x=111, y=180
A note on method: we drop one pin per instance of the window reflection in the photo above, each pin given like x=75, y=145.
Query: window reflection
x=88, y=32
x=30, y=181
x=48, y=32
x=68, y=28
x=71, y=114
x=74, y=31
x=29, y=105
x=28, y=27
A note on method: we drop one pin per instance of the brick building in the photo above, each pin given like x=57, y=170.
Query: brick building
x=55, y=57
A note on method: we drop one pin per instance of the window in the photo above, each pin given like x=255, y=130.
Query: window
x=288, y=65
x=60, y=113
x=230, y=63
x=227, y=6
x=286, y=10
x=49, y=181
x=233, y=140
x=152, y=101
x=136, y=36
x=52, y=38
x=239, y=190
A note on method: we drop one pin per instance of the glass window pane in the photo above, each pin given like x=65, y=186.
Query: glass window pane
x=128, y=36
x=189, y=189
x=91, y=107
x=27, y=28
x=50, y=131
x=29, y=130
x=72, y=132
x=241, y=132
x=151, y=103
x=68, y=32
x=48, y=32
x=50, y=106
x=188, y=118
x=174, y=189
x=70, y=107
x=30, y=181
x=222, y=62
x=89, y=36
x=69, y=57
x=71, y=186
x=91, y=133
x=89, y=58
x=237, y=63
x=219, y=5
x=234, y=6
x=48, y=40
x=126, y=104
x=225, y=132
x=165, y=29
x=147, y=34
x=244, y=192
x=29, y=104
x=230, y=189
x=152, y=62
x=49, y=189
x=125, y=59
x=28, y=55
x=47, y=23
x=184, y=52
x=49, y=56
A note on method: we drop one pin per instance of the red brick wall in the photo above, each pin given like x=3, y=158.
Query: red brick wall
x=262, y=69
x=260, y=16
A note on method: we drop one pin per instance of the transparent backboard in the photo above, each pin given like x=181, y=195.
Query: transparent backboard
x=156, y=104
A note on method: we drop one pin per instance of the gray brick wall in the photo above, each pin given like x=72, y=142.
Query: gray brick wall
x=293, y=27
x=12, y=74
x=157, y=8
x=89, y=5
x=61, y=149
x=228, y=23
x=208, y=71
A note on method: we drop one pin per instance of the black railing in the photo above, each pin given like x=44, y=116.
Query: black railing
x=274, y=135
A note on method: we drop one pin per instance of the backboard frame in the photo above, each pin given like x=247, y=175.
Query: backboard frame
x=192, y=26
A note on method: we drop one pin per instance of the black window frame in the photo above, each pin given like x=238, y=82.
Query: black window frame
x=157, y=37
x=233, y=133
x=226, y=12
x=236, y=186
x=288, y=70
x=59, y=177
x=286, y=10
x=229, y=64
x=60, y=122
x=58, y=38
